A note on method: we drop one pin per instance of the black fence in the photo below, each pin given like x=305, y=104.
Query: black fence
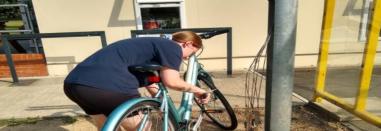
x=6, y=45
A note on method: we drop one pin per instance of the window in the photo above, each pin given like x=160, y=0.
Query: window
x=159, y=14
x=16, y=17
x=366, y=19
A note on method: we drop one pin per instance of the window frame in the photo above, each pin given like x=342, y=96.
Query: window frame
x=138, y=4
x=365, y=20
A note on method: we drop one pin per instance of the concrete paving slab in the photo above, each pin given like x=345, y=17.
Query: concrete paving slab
x=35, y=97
x=343, y=83
x=44, y=96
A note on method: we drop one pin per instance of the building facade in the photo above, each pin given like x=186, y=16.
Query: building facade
x=248, y=19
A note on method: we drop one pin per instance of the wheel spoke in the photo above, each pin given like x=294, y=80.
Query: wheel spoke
x=144, y=117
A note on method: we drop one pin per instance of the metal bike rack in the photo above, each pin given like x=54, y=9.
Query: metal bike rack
x=5, y=38
x=227, y=30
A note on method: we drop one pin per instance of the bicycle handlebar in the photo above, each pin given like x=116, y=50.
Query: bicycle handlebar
x=208, y=35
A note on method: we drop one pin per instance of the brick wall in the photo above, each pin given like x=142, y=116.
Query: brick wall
x=26, y=65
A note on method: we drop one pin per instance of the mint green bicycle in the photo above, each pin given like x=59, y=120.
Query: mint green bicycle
x=159, y=113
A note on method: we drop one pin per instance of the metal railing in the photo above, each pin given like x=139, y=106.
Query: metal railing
x=359, y=108
x=5, y=38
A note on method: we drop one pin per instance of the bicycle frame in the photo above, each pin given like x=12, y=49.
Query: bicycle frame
x=182, y=115
x=184, y=112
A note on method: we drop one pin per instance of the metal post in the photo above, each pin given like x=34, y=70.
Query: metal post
x=229, y=52
x=329, y=9
x=8, y=55
x=280, y=68
x=30, y=27
x=369, y=57
x=103, y=39
x=270, y=31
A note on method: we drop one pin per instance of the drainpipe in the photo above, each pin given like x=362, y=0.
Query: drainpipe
x=280, y=67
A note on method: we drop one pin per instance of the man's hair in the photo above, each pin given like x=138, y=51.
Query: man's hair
x=184, y=36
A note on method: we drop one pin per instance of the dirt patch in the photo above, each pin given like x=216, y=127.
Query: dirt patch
x=304, y=118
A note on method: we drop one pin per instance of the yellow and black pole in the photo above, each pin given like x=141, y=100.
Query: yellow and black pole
x=329, y=8
x=359, y=108
x=369, y=56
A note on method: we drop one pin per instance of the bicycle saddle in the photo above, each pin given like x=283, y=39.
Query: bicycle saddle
x=145, y=68
x=146, y=74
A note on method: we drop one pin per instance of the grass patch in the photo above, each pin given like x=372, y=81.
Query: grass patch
x=34, y=120
x=19, y=121
x=69, y=120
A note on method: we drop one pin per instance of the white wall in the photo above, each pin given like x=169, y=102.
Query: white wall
x=248, y=18
x=115, y=17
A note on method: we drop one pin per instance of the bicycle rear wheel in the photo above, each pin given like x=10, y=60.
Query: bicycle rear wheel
x=145, y=115
x=218, y=109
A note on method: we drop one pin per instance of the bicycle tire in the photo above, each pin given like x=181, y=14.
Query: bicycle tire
x=151, y=106
x=217, y=95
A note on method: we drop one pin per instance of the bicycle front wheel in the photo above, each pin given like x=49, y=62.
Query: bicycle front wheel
x=143, y=116
x=218, y=109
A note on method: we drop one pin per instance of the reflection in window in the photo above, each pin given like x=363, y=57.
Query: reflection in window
x=366, y=20
x=161, y=18
x=17, y=17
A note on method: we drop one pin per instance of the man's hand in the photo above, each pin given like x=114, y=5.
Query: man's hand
x=203, y=97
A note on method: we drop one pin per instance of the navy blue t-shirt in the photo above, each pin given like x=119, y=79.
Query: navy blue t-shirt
x=108, y=68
